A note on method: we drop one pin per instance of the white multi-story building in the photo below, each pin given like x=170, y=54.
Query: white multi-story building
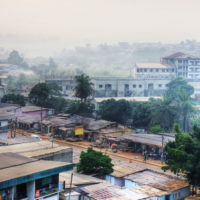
x=186, y=66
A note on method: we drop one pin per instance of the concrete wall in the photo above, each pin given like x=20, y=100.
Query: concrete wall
x=65, y=155
x=129, y=87
x=180, y=194
x=4, y=136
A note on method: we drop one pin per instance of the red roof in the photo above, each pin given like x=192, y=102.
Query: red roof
x=180, y=55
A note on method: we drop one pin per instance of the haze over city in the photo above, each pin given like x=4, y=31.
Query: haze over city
x=36, y=27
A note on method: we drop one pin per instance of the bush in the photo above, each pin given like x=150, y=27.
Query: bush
x=156, y=129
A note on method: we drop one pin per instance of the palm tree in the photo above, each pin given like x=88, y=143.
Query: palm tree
x=185, y=109
x=84, y=87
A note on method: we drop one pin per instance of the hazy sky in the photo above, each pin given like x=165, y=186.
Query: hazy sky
x=47, y=26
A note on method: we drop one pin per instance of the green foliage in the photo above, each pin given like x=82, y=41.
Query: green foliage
x=58, y=103
x=39, y=94
x=177, y=86
x=163, y=112
x=14, y=99
x=141, y=114
x=83, y=88
x=17, y=82
x=112, y=110
x=15, y=59
x=94, y=162
x=54, y=89
x=184, y=155
x=48, y=95
x=80, y=108
x=156, y=129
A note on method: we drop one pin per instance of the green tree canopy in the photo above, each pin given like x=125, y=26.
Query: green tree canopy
x=112, y=110
x=14, y=58
x=80, y=108
x=54, y=89
x=94, y=162
x=177, y=86
x=184, y=155
x=14, y=99
x=84, y=87
x=39, y=94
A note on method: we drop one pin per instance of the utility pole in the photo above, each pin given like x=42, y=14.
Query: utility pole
x=162, y=154
x=70, y=188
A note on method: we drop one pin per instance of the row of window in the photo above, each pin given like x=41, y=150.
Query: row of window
x=109, y=86
x=154, y=70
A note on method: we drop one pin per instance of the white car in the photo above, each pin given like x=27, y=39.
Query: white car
x=36, y=136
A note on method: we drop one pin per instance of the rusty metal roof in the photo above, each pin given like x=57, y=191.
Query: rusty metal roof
x=148, y=139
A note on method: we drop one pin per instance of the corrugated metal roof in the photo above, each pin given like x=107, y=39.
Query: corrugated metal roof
x=157, y=180
x=148, y=139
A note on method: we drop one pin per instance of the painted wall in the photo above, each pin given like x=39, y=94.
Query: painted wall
x=180, y=194
x=36, y=114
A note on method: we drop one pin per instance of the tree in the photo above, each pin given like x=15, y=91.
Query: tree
x=164, y=112
x=80, y=108
x=156, y=129
x=14, y=58
x=179, y=91
x=14, y=98
x=83, y=88
x=54, y=89
x=177, y=86
x=141, y=115
x=184, y=155
x=112, y=110
x=39, y=94
x=94, y=162
x=58, y=103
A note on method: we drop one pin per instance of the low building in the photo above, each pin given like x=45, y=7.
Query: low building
x=43, y=150
x=153, y=144
x=5, y=121
x=175, y=188
x=30, y=179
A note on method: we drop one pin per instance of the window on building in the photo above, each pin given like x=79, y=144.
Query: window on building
x=47, y=183
x=134, y=86
x=151, y=70
x=100, y=86
x=126, y=86
x=172, y=70
x=150, y=86
x=138, y=70
x=179, y=61
x=163, y=70
x=108, y=86
x=145, y=70
x=141, y=70
x=167, y=70
x=157, y=70
x=140, y=86
x=192, y=62
x=179, y=74
x=21, y=191
x=160, y=85
x=179, y=67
